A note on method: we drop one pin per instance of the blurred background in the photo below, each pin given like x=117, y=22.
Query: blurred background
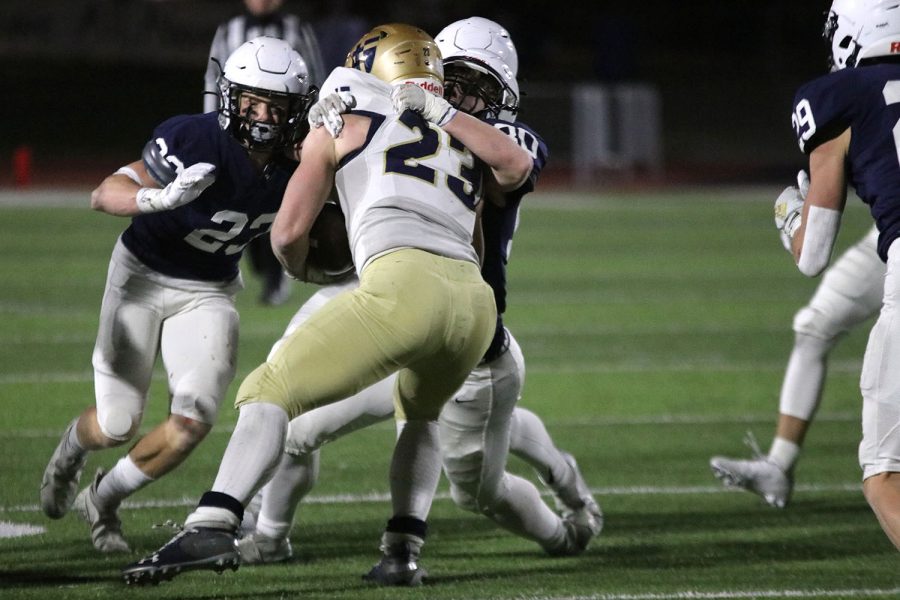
x=623, y=92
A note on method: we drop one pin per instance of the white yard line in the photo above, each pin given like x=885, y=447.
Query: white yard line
x=595, y=421
x=384, y=497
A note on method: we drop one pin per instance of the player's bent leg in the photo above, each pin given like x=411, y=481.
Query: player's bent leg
x=168, y=445
x=558, y=470
x=883, y=495
x=267, y=541
x=208, y=539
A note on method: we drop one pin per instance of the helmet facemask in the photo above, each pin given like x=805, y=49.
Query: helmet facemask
x=285, y=127
x=466, y=82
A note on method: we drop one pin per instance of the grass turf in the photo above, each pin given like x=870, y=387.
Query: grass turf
x=655, y=329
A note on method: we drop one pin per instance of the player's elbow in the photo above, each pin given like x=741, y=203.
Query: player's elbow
x=514, y=171
x=98, y=198
x=812, y=268
x=282, y=236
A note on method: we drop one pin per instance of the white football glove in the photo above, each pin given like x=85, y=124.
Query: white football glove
x=186, y=186
x=327, y=111
x=789, y=208
x=434, y=108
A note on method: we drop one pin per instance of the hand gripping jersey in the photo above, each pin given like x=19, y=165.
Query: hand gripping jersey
x=499, y=224
x=867, y=100
x=410, y=185
x=203, y=239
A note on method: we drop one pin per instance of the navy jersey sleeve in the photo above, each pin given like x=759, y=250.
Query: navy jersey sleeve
x=823, y=109
x=528, y=139
x=867, y=101
x=177, y=143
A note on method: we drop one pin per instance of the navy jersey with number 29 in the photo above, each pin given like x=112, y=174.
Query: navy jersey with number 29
x=867, y=100
x=204, y=239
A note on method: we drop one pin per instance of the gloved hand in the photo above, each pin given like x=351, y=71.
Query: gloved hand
x=789, y=208
x=186, y=186
x=433, y=108
x=328, y=109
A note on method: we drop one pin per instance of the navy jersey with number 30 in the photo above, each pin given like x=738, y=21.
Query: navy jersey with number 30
x=867, y=100
x=499, y=222
x=204, y=239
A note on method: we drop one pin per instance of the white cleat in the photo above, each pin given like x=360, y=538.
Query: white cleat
x=582, y=501
x=59, y=484
x=106, y=528
x=257, y=549
x=757, y=475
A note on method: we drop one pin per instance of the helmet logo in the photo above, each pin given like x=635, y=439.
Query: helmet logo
x=895, y=47
x=363, y=56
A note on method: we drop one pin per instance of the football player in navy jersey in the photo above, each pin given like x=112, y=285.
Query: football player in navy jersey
x=847, y=122
x=206, y=185
x=482, y=424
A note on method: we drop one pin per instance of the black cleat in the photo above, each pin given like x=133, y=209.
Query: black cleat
x=192, y=549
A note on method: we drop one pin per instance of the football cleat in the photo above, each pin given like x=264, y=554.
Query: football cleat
x=257, y=549
x=757, y=475
x=59, y=484
x=106, y=528
x=581, y=526
x=573, y=494
x=191, y=549
x=399, y=566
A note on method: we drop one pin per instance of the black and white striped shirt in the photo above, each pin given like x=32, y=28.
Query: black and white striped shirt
x=238, y=30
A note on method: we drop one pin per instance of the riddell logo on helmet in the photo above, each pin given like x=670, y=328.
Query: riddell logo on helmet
x=429, y=86
x=895, y=47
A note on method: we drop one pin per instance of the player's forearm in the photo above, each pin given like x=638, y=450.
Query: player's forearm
x=509, y=163
x=116, y=195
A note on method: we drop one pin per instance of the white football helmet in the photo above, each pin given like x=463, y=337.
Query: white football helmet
x=267, y=67
x=480, y=61
x=478, y=33
x=862, y=29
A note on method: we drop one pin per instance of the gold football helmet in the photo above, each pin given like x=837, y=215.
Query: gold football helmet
x=396, y=53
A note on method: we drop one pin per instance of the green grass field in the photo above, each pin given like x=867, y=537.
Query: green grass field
x=655, y=328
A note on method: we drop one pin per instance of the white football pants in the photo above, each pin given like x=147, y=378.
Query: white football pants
x=850, y=292
x=192, y=324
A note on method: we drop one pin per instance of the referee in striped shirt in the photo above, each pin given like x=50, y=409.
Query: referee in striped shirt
x=263, y=17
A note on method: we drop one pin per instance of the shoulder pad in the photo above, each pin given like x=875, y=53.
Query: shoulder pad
x=161, y=170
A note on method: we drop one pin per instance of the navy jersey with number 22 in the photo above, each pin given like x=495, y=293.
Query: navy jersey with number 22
x=204, y=239
x=867, y=100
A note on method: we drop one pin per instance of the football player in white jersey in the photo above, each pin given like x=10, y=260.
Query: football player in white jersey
x=850, y=293
x=409, y=192
x=846, y=122
x=479, y=61
x=206, y=185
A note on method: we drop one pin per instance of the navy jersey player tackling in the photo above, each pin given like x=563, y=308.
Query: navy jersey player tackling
x=205, y=186
x=847, y=122
x=479, y=430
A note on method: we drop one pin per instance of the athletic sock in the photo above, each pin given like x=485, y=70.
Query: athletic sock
x=783, y=453
x=123, y=480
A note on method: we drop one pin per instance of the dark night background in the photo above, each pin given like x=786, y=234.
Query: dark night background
x=87, y=80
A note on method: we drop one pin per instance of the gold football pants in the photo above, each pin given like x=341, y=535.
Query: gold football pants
x=429, y=317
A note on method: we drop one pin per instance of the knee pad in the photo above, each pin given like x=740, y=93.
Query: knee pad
x=116, y=423
x=816, y=324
